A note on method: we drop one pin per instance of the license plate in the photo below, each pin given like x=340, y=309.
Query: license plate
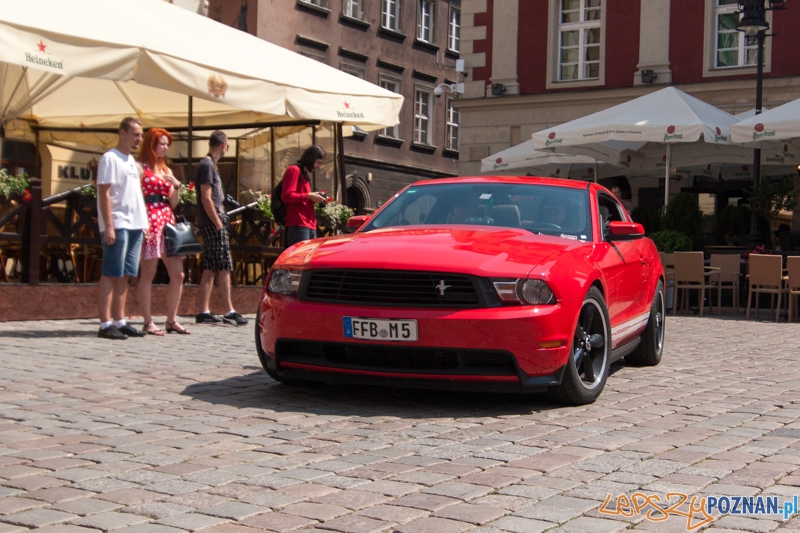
x=380, y=329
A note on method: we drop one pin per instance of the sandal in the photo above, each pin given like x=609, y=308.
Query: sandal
x=171, y=328
x=151, y=329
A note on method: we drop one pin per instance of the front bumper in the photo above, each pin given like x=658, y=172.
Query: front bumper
x=499, y=348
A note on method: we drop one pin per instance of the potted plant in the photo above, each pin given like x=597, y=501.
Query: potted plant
x=187, y=202
x=263, y=203
x=332, y=215
x=13, y=187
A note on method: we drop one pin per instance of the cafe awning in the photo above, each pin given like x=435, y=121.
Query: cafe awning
x=88, y=63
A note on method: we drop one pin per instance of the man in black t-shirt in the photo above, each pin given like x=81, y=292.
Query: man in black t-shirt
x=212, y=223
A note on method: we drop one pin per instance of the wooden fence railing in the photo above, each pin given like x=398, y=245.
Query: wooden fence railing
x=45, y=234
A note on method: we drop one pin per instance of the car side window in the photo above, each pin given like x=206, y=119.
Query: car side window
x=608, y=210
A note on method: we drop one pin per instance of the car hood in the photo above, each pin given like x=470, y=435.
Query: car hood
x=468, y=249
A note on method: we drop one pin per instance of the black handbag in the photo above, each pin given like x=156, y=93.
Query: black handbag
x=181, y=239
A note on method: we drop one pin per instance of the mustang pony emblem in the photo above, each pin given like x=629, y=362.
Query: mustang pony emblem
x=441, y=287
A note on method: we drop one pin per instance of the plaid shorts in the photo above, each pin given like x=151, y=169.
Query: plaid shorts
x=217, y=255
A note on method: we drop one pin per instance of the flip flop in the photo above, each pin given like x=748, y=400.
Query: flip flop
x=172, y=329
x=153, y=330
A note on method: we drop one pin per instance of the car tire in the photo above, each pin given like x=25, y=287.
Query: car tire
x=263, y=357
x=651, y=346
x=587, y=367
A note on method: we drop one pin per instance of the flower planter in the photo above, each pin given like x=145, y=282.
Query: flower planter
x=87, y=201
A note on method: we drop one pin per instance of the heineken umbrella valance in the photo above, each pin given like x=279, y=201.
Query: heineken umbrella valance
x=88, y=63
x=666, y=117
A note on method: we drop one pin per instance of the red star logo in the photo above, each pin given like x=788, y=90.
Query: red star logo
x=346, y=105
x=41, y=46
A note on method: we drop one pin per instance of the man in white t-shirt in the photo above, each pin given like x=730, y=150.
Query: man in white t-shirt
x=122, y=217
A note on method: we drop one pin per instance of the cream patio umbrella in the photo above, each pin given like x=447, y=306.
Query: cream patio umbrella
x=524, y=158
x=88, y=63
x=651, y=123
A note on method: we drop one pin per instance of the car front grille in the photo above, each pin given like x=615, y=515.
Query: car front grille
x=391, y=288
x=400, y=359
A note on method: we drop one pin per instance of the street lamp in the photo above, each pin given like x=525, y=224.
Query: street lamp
x=754, y=24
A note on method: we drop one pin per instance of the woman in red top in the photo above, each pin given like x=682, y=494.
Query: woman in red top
x=161, y=192
x=301, y=222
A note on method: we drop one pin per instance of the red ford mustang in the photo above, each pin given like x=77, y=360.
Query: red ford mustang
x=487, y=283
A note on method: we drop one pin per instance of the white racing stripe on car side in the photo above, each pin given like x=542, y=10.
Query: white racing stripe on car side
x=631, y=325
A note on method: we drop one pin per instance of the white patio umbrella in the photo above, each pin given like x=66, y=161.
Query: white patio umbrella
x=88, y=63
x=524, y=158
x=780, y=125
x=655, y=121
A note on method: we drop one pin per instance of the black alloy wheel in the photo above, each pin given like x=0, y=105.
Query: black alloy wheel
x=587, y=367
x=651, y=346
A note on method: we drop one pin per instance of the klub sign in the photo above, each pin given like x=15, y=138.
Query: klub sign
x=68, y=168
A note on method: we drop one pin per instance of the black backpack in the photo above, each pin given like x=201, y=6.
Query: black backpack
x=277, y=205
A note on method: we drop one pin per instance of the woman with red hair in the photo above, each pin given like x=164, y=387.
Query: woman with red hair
x=161, y=192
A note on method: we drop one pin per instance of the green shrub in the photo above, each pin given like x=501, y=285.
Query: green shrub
x=671, y=241
x=729, y=224
x=650, y=219
x=684, y=216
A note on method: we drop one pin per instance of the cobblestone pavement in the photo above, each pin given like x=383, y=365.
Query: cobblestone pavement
x=186, y=433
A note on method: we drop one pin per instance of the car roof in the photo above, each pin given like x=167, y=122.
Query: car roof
x=533, y=180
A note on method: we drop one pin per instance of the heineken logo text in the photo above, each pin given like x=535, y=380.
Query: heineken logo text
x=349, y=114
x=43, y=61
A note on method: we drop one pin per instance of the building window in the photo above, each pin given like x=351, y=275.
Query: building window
x=425, y=21
x=318, y=3
x=579, y=40
x=353, y=70
x=392, y=131
x=422, y=122
x=726, y=50
x=733, y=47
x=451, y=142
x=454, y=31
x=390, y=11
x=354, y=9
x=313, y=55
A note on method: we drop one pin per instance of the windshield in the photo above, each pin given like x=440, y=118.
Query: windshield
x=544, y=209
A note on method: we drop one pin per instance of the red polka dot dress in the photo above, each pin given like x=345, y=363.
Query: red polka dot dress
x=159, y=214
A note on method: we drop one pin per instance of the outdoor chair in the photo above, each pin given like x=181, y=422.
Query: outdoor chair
x=793, y=269
x=691, y=274
x=765, y=277
x=729, y=266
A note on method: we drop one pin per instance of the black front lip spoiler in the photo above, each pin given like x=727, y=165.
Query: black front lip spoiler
x=533, y=384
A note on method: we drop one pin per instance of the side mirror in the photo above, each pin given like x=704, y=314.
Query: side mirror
x=624, y=231
x=353, y=223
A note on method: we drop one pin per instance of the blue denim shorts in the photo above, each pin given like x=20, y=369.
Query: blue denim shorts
x=122, y=258
x=295, y=234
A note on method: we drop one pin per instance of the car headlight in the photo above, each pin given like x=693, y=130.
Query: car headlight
x=524, y=291
x=285, y=281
